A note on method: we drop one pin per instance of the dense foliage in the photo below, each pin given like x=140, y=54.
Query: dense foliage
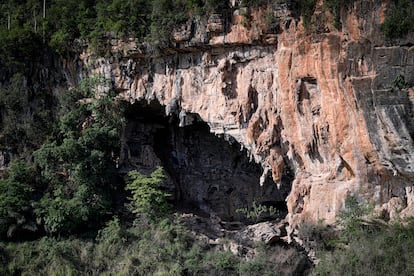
x=364, y=246
x=79, y=166
x=16, y=200
x=400, y=20
x=306, y=9
x=335, y=7
x=59, y=22
x=147, y=194
x=69, y=184
x=370, y=251
x=25, y=26
x=25, y=116
x=165, y=248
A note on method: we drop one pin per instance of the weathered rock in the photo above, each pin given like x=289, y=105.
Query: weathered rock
x=206, y=173
x=5, y=158
x=215, y=23
x=392, y=209
x=320, y=107
x=246, y=240
x=267, y=232
x=181, y=33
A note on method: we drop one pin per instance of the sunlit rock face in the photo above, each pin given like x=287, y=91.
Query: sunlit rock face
x=324, y=107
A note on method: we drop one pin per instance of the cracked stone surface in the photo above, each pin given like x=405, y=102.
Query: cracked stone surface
x=322, y=107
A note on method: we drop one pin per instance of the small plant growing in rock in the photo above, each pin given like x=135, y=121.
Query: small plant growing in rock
x=257, y=211
x=399, y=82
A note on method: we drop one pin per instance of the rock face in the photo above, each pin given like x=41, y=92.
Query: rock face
x=206, y=173
x=331, y=109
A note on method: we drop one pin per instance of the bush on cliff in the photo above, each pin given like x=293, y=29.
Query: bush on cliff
x=25, y=116
x=367, y=248
x=385, y=251
x=400, y=20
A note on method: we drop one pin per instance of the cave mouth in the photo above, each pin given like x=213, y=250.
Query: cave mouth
x=206, y=174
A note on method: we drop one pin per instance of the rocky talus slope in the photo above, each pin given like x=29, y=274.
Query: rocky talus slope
x=331, y=110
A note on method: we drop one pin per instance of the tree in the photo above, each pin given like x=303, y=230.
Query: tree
x=24, y=117
x=16, y=200
x=399, y=20
x=165, y=15
x=352, y=216
x=147, y=195
x=80, y=166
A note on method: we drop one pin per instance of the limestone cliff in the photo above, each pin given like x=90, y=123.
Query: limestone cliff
x=320, y=105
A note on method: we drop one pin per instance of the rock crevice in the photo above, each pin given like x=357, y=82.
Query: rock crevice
x=325, y=109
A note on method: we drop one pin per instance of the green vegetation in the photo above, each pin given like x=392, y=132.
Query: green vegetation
x=16, y=211
x=68, y=186
x=147, y=195
x=306, y=9
x=165, y=248
x=334, y=7
x=60, y=22
x=257, y=212
x=399, y=21
x=24, y=116
x=26, y=26
x=370, y=251
x=364, y=246
x=399, y=83
x=58, y=213
x=54, y=205
x=165, y=15
x=79, y=166
x=253, y=3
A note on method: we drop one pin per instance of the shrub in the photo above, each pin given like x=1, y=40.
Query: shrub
x=399, y=20
x=335, y=7
x=253, y=3
x=399, y=83
x=258, y=211
x=16, y=200
x=147, y=195
x=353, y=214
x=113, y=232
x=26, y=116
x=387, y=251
x=306, y=9
x=368, y=248
x=163, y=248
x=80, y=164
x=223, y=262
x=165, y=15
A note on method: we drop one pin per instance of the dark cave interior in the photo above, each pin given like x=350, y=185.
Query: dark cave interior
x=206, y=174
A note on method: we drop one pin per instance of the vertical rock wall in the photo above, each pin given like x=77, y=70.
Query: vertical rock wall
x=321, y=105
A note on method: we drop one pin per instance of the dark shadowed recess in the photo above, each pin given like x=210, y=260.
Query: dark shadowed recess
x=207, y=174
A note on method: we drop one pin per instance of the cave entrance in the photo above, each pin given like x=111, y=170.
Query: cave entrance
x=206, y=174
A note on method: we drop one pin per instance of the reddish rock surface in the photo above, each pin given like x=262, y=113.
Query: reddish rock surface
x=318, y=104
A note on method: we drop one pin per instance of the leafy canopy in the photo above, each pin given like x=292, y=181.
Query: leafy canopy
x=147, y=195
x=80, y=164
x=16, y=212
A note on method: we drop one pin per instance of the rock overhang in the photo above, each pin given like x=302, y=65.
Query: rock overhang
x=312, y=106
